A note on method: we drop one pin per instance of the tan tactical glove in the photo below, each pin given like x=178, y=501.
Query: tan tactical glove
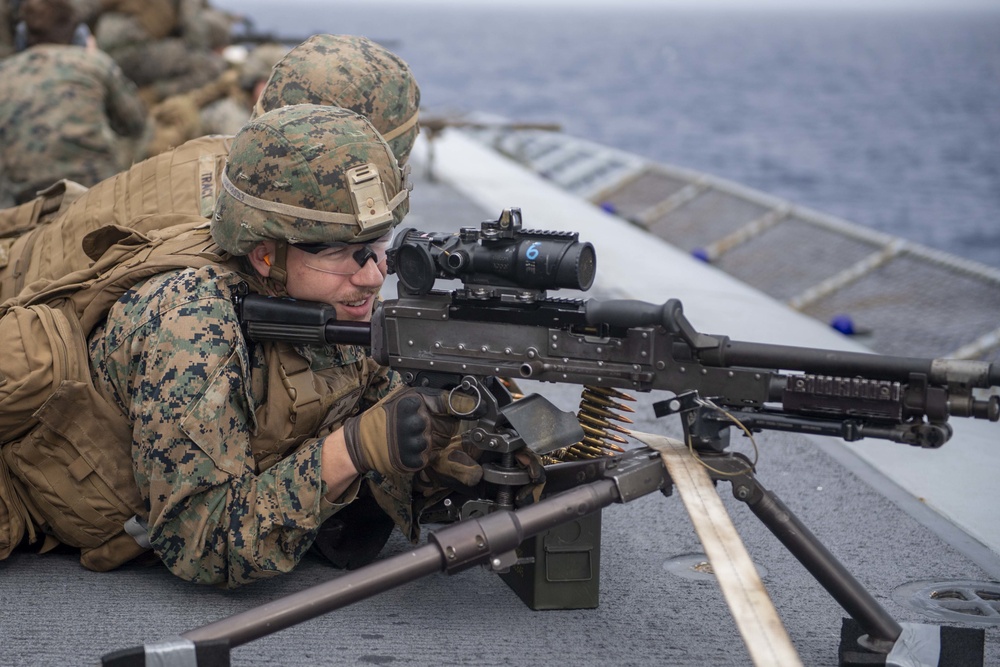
x=411, y=430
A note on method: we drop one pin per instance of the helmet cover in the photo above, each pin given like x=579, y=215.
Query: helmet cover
x=354, y=73
x=308, y=174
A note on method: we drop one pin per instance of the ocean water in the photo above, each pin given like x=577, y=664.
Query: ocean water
x=890, y=120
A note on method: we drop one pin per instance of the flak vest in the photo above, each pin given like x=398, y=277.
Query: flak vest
x=43, y=239
x=65, y=451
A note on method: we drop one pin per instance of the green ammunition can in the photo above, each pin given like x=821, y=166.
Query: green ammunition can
x=560, y=569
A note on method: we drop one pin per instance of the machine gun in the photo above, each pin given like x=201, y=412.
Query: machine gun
x=501, y=323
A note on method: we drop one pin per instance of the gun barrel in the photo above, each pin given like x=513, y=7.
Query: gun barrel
x=719, y=351
x=812, y=360
x=847, y=364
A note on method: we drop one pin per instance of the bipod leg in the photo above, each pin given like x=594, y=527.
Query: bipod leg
x=882, y=629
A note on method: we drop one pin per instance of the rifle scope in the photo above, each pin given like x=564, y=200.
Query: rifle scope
x=499, y=254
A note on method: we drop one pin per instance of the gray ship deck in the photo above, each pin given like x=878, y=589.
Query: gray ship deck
x=654, y=608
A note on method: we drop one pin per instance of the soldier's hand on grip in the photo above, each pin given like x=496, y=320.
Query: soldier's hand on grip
x=411, y=430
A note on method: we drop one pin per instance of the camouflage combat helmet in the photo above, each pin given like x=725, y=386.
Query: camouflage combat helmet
x=307, y=174
x=354, y=73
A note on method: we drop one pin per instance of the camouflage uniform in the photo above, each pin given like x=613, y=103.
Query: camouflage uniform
x=61, y=111
x=12, y=33
x=228, y=114
x=164, y=49
x=186, y=179
x=172, y=355
x=220, y=107
x=223, y=507
x=340, y=70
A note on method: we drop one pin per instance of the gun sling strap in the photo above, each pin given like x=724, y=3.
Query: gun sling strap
x=756, y=618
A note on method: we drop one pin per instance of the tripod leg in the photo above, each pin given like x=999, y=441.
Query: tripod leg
x=809, y=551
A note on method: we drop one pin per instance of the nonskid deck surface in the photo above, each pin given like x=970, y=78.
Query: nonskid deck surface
x=656, y=605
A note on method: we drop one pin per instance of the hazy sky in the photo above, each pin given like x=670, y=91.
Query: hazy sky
x=721, y=5
x=716, y=4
